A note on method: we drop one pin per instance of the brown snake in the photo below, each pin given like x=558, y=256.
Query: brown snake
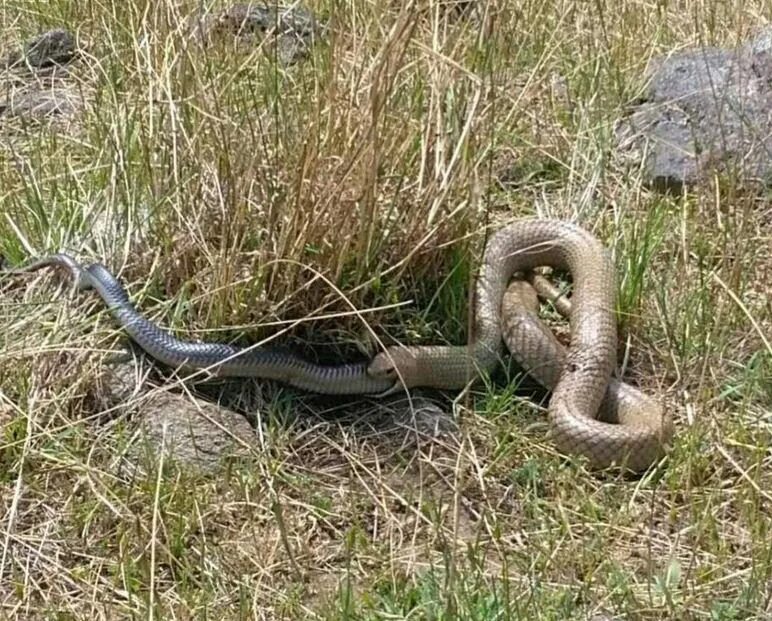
x=579, y=378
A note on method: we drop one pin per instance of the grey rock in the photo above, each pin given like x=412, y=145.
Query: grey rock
x=761, y=43
x=290, y=48
x=417, y=416
x=194, y=433
x=691, y=74
x=671, y=160
x=427, y=418
x=705, y=111
x=239, y=18
x=37, y=104
x=293, y=29
x=121, y=381
x=55, y=47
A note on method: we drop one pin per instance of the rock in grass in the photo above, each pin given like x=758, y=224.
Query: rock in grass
x=292, y=30
x=192, y=432
x=423, y=416
x=37, y=104
x=705, y=111
x=55, y=47
x=43, y=91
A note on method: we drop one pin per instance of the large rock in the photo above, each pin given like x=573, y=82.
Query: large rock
x=705, y=111
x=37, y=84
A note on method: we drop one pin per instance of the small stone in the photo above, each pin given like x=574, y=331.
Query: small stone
x=121, y=381
x=290, y=48
x=419, y=414
x=761, y=43
x=195, y=433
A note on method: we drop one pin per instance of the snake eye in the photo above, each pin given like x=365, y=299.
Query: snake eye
x=390, y=372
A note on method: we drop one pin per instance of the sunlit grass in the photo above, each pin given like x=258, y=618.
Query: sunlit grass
x=231, y=193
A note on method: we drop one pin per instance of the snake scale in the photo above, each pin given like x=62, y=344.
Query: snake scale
x=630, y=430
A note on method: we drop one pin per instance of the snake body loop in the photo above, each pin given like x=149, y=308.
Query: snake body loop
x=631, y=427
x=578, y=377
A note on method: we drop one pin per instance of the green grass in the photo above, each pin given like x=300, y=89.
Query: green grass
x=233, y=196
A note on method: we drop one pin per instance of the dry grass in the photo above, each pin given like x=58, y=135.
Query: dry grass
x=231, y=194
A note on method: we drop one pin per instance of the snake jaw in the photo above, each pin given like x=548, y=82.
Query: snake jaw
x=396, y=387
x=397, y=364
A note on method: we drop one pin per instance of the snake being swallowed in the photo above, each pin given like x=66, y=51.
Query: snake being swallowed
x=217, y=359
x=580, y=379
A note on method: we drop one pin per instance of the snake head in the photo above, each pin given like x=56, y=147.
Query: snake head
x=397, y=364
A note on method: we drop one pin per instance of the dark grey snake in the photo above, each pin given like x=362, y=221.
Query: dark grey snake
x=218, y=359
